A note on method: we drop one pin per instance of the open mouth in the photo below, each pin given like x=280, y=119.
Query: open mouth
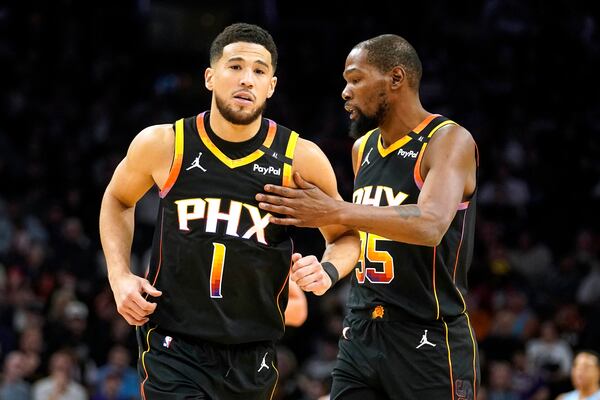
x=244, y=97
x=351, y=110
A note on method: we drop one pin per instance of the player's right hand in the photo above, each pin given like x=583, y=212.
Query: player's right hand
x=308, y=273
x=128, y=290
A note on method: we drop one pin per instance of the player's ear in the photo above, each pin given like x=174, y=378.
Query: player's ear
x=208, y=78
x=398, y=77
x=272, y=85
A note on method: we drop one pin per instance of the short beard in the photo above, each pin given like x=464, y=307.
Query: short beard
x=364, y=123
x=237, y=118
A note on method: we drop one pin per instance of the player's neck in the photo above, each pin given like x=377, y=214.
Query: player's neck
x=232, y=132
x=402, y=118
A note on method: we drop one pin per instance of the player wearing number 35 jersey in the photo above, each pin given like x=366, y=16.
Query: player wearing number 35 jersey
x=214, y=300
x=407, y=334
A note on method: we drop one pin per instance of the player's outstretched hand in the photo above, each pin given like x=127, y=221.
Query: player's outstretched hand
x=306, y=205
x=128, y=290
x=308, y=273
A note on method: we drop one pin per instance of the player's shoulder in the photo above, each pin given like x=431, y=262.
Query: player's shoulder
x=357, y=143
x=314, y=166
x=361, y=140
x=449, y=126
x=305, y=151
x=452, y=132
x=155, y=135
x=153, y=142
x=280, y=127
x=307, y=148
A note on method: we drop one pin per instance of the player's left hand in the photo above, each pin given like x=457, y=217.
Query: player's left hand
x=306, y=205
x=309, y=275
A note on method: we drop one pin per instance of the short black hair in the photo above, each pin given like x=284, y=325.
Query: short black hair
x=242, y=32
x=388, y=51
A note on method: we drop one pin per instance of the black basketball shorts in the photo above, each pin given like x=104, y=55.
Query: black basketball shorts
x=398, y=358
x=174, y=368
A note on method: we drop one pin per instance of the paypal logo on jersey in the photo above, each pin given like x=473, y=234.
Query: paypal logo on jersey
x=410, y=153
x=270, y=170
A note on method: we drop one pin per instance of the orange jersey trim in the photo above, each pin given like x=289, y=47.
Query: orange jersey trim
x=425, y=122
x=417, y=170
x=462, y=234
x=160, y=248
x=449, y=359
x=222, y=157
x=474, y=357
x=282, y=313
x=177, y=159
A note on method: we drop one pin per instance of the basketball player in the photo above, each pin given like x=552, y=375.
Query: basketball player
x=212, y=305
x=407, y=334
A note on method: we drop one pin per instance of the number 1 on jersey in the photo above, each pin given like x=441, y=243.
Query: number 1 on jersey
x=216, y=270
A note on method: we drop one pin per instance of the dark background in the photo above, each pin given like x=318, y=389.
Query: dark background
x=82, y=79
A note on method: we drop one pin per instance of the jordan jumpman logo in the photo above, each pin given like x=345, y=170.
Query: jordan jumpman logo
x=263, y=364
x=424, y=341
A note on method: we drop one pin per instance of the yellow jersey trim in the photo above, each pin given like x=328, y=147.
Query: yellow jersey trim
x=222, y=157
x=361, y=149
x=289, y=153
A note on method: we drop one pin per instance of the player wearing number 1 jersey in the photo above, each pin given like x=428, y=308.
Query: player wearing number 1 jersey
x=211, y=234
x=214, y=300
x=407, y=334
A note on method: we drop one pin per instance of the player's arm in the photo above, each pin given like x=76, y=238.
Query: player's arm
x=297, y=307
x=342, y=243
x=448, y=168
x=146, y=163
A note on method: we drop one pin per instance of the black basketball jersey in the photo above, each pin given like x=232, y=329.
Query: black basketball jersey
x=424, y=282
x=222, y=267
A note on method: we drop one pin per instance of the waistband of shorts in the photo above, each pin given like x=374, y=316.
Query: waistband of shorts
x=381, y=312
x=217, y=345
x=386, y=312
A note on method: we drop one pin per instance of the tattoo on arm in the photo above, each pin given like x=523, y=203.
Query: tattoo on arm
x=408, y=211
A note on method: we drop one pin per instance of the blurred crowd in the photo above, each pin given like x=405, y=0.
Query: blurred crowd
x=81, y=80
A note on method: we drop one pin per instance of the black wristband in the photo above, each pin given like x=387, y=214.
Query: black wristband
x=332, y=271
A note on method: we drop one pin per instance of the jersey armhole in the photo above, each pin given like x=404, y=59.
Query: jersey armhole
x=466, y=203
x=289, y=153
x=177, y=160
x=417, y=169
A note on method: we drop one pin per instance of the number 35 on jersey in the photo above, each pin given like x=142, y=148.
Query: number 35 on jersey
x=381, y=262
